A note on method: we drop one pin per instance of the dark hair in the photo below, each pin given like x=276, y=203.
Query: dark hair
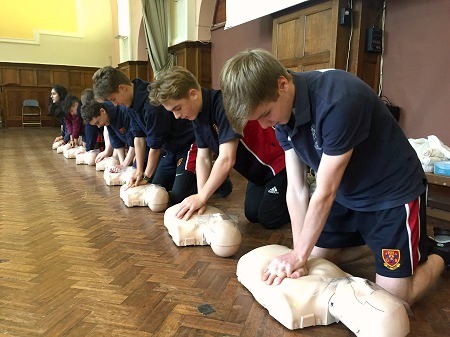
x=68, y=102
x=90, y=110
x=55, y=109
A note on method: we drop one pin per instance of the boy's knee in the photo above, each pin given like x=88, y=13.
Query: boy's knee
x=267, y=221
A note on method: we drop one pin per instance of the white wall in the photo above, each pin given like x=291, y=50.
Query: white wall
x=94, y=47
x=190, y=20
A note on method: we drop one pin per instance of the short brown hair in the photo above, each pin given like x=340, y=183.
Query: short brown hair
x=248, y=79
x=107, y=80
x=173, y=83
x=87, y=95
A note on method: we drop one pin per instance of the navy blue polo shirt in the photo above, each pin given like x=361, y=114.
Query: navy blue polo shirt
x=159, y=127
x=256, y=161
x=335, y=112
x=119, y=128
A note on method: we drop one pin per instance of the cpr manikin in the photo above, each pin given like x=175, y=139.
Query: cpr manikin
x=60, y=149
x=72, y=152
x=212, y=228
x=118, y=177
x=324, y=296
x=153, y=196
x=57, y=144
x=87, y=158
x=106, y=163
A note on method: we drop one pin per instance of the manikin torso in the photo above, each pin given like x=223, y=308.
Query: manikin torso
x=324, y=296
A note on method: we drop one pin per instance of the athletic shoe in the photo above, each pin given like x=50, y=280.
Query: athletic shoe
x=443, y=250
x=441, y=235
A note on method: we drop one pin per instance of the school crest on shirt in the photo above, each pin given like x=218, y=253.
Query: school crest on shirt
x=391, y=258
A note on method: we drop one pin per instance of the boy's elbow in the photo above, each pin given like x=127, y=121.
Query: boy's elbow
x=228, y=163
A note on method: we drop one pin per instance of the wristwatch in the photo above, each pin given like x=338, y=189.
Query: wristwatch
x=146, y=178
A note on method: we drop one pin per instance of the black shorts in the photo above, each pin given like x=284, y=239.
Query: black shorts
x=397, y=236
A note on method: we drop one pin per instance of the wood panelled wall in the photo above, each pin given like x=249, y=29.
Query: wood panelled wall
x=34, y=81
x=309, y=37
x=24, y=81
x=195, y=56
x=137, y=69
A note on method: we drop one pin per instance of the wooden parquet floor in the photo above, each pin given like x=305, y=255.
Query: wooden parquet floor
x=75, y=261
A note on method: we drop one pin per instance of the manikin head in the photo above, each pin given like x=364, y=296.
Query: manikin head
x=178, y=91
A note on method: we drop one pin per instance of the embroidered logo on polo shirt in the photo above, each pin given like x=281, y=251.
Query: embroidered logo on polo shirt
x=313, y=132
x=391, y=258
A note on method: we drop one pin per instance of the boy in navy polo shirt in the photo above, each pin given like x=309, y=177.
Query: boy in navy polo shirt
x=118, y=121
x=171, y=142
x=370, y=184
x=257, y=155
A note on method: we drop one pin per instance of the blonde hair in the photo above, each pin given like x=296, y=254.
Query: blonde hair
x=173, y=83
x=248, y=79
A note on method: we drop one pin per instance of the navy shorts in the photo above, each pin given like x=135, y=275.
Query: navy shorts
x=397, y=236
x=172, y=167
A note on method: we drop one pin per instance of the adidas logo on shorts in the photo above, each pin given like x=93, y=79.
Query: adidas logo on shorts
x=273, y=190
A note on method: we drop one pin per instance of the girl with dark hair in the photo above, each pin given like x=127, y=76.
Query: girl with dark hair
x=57, y=96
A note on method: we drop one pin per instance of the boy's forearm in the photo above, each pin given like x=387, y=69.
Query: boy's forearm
x=128, y=161
x=139, y=148
x=203, y=167
x=219, y=173
x=152, y=161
